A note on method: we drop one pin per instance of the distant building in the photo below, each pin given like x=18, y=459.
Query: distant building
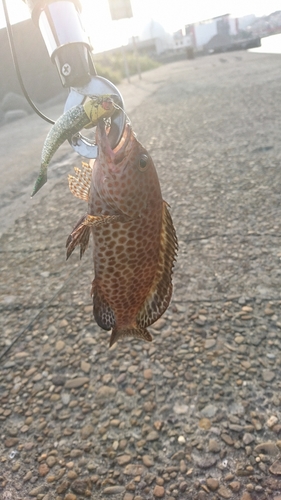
x=162, y=40
x=218, y=34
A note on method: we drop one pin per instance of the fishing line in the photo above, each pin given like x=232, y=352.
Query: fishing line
x=116, y=106
x=17, y=68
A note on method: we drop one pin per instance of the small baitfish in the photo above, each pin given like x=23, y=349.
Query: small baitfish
x=135, y=242
x=69, y=124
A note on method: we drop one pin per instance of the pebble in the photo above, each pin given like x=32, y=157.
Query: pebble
x=271, y=421
x=43, y=470
x=209, y=411
x=152, y=436
x=105, y=392
x=77, y=382
x=159, y=491
x=27, y=476
x=148, y=374
x=268, y=375
x=205, y=423
x=212, y=483
x=113, y=490
x=246, y=496
x=37, y=491
x=214, y=446
x=63, y=487
x=148, y=461
x=133, y=470
x=65, y=398
x=239, y=339
x=82, y=487
x=159, y=324
x=227, y=439
x=128, y=496
x=248, y=438
x=58, y=380
x=224, y=492
x=11, y=442
x=209, y=343
x=275, y=468
x=85, y=367
x=267, y=448
x=72, y=474
x=235, y=486
x=60, y=345
x=87, y=431
x=124, y=459
x=180, y=409
x=205, y=462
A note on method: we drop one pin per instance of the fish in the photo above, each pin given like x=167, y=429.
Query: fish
x=135, y=242
x=70, y=123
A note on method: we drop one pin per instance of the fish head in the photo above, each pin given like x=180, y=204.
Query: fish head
x=125, y=177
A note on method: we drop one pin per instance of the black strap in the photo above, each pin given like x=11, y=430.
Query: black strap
x=17, y=68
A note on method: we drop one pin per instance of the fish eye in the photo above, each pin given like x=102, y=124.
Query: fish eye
x=143, y=163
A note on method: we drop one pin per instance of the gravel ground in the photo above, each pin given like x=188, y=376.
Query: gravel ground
x=196, y=414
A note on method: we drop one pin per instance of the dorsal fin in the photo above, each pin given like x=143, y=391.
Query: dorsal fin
x=160, y=293
x=80, y=184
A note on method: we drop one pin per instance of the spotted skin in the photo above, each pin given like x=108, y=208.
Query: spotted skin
x=134, y=253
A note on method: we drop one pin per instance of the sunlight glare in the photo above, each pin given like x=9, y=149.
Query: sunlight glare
x=172, y=15
x=17, y=10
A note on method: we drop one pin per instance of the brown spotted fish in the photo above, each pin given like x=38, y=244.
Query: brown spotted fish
x=135, y=243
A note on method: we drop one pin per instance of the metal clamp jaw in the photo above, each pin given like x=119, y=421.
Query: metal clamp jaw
x=97, y=86
x=69, y=48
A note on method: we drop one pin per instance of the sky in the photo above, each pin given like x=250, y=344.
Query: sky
x=106, y=34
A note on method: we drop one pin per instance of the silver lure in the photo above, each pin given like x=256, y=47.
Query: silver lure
x=69, y=124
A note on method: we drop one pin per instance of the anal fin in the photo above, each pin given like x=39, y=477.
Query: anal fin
x=136, y=332
x=103, y=313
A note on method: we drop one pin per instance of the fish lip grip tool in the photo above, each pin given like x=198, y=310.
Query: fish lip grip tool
x=95, y=87
x=70, y=50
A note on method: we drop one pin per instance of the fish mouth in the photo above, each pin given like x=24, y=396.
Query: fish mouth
x=117, y=154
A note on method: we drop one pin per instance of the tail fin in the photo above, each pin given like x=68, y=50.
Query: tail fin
x=136, y=332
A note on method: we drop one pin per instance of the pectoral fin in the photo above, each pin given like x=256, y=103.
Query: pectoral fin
x=81, y=232
x=79, y=236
